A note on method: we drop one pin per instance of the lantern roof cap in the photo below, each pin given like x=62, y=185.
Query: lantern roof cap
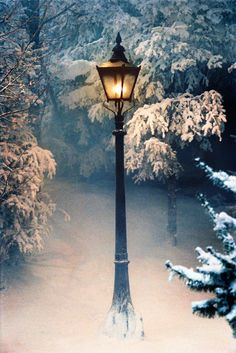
x=118, y=51
x=116, y=64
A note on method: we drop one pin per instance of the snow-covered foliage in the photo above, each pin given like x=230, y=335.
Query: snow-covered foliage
x=220, y=178
x=217, y=273
x=69, y=69
x=178, y=54
x=155, y=130
x=25, y=208
x=179, y=45
x=232, y=67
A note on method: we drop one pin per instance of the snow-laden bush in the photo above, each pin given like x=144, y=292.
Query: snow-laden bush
x=217, y=273
x=24, y=207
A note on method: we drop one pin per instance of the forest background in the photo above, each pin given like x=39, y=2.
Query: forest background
x=51, y=111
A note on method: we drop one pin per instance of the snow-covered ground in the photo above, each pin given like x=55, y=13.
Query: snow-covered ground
x=57, y=302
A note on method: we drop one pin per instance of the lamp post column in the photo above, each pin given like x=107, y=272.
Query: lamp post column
x=121, y=295
x=122, y=322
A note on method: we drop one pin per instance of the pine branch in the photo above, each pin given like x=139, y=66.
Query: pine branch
x=221, y=232
x=207, y=206
x=4, y=115
x=224, y=259
x=205, y=308
x=194, y=280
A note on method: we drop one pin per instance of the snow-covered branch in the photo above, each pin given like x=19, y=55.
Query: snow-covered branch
x=155, y=129
x=217, y=272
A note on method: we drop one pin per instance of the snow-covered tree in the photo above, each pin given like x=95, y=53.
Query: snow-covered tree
x=25, y=208
x=217, y=273
x=180, y=46
x=188, y=43
x=73, y=71
x=88, y=140
x=44, y=23
x=181, y=53
x=157, y=132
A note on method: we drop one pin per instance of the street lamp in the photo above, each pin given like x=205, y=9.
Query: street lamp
x=118, y=78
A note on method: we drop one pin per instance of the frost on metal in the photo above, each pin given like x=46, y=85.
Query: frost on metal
x=124, y=324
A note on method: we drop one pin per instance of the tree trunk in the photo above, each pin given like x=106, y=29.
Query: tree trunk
x=57, y=120
x=32, y=11
x=34, y=27
x=172, y=209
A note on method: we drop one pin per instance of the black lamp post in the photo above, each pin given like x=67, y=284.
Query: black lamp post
x=118, y=78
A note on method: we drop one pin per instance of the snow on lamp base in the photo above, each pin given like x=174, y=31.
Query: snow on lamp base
x=123, y=323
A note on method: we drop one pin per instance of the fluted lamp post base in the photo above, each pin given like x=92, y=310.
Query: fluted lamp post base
x=124, y=323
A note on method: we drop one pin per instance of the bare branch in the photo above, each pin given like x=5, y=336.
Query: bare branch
x=58, y=14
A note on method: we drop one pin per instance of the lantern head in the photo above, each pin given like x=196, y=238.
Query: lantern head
x=118, y=76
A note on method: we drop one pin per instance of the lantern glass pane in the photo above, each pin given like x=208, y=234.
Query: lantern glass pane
x=118, y=80
x=113, y=86
x=128, y=86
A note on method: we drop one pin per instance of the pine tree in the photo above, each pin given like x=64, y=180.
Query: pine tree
x=217, y=273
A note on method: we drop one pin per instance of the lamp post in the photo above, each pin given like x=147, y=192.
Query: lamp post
x=118, y=78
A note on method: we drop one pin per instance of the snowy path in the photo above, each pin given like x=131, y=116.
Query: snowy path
x=59, y=299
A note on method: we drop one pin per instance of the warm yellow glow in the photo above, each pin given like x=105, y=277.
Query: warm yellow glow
x=117, y=90
x=118, y=79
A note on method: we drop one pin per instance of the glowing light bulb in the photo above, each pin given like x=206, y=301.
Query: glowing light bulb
x=117, y=90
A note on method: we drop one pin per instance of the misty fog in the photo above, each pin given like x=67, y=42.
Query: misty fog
x=58, y=300
x=95, y=91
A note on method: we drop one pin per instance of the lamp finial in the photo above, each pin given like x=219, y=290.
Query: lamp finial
x=118, y=51
x=118, y=38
